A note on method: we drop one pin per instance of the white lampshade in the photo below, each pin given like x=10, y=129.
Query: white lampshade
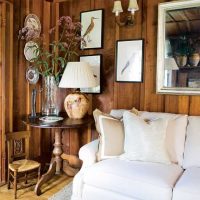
x=78, y=75
x=170, y=64
x=117, y=7
x=133, y=6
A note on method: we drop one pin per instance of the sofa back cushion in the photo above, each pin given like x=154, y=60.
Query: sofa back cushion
x=111, y=135
x=145, y=141
x=192, y=144
x=111, y=138
x=176, y=131
x=175, y=136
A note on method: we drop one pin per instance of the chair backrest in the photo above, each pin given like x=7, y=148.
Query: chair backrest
x=18, y=145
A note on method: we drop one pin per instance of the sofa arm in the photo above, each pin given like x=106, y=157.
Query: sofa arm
x=87, y=153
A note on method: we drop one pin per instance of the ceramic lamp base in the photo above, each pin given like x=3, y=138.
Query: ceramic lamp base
x=76, y=105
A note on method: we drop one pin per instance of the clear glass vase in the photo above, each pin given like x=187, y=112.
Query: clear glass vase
x=50, y=105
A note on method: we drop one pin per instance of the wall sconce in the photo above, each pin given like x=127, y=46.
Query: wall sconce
x=117, y=9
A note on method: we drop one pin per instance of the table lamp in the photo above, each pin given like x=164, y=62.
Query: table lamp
x=77, y=75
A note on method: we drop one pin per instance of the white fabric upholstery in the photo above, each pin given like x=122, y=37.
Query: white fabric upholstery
x=94, y=193
x=87, y=153
x=115, y=179
x=111, y=138
x=188, y=187
x=142, y=180
x=77, y=187
x=176, y=131
x=117, y=113
x=192, y=144
x=145, y=141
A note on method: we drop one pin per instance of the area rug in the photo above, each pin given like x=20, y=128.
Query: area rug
x=64, y=194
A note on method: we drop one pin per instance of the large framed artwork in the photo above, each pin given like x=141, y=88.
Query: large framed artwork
x=92, y=29
x=129, y=60
x=95, y=61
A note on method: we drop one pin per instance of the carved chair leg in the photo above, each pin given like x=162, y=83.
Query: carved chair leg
x=39, y=169
x=26, y=178
x=15, y=184
x=8, y=185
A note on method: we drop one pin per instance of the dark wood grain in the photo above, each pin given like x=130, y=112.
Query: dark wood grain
x=115, y=95
x=65, y=123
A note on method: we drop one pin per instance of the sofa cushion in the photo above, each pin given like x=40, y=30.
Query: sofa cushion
x=176, y=131
x=188, y=187
x=110, y=128
x=94, y=193
x=144, y=141
x=175, y=136
x=142, y=180
x=96, y=114
x=111, y=138
x=192, y=146
x=118, y=113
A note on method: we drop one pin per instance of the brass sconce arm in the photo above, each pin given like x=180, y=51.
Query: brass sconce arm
x=117, y=9
x=129, y=21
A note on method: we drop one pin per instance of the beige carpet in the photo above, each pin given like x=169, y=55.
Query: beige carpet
x=63, y=194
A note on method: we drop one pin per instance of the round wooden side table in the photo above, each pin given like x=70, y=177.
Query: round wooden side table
x=59, y=126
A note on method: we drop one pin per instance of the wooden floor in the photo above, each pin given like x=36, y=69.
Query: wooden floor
x=53, y=186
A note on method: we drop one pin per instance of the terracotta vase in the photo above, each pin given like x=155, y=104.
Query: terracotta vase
x=181, y=61
x=194, y=59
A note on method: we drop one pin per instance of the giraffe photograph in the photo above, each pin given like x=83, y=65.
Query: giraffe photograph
x=92, y=29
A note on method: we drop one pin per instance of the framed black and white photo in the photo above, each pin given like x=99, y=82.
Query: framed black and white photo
x=92, y=29
x=129, y=60
x=95, y=62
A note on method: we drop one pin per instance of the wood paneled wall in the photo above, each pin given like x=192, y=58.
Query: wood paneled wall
x=6, y=66
x=115, y=95
x=126, y=95
x=40, y=140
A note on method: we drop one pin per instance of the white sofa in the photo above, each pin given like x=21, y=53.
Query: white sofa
x=116, y=179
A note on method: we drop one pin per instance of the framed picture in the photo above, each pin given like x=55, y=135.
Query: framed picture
x=194, y=83
x=95, y=61
x=129, y=60
x=92, y=29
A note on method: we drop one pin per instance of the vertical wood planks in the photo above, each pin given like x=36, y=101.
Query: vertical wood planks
x=115, y=95
x=3, y=89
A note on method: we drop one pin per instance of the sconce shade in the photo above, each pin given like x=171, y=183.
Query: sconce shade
x=133, y=6
x=117, y=7
x=170, y=64
x=77, y=75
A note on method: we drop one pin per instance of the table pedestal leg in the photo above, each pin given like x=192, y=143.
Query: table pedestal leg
x=55, y=165
x=57, y=151
x=45, y=177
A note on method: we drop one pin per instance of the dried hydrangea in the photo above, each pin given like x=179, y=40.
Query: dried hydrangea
x=59, y=52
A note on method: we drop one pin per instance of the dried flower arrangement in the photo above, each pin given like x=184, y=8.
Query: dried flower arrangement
x=52, y=60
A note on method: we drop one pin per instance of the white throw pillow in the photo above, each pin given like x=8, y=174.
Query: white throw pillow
x=175, y=134
x=145, y=141
x=111, y=135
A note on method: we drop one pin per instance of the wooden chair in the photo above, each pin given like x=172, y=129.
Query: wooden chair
x=20, y=168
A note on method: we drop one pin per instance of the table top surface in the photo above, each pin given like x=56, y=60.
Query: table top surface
x=65, y=123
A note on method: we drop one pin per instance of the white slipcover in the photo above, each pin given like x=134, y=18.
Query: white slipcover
x=116, y=179
x=188, y=187
x=135, y=179
x=192, y=144
x=87, y=153
x=93, y=193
